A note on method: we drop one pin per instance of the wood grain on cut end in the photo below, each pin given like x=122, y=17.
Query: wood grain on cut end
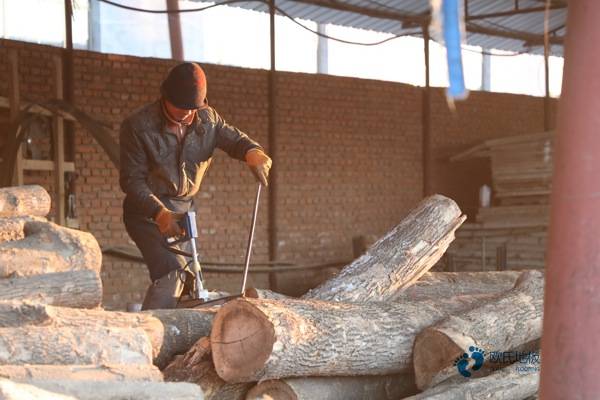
x=433, y=352
x=242, y=339
x=24, y=200
x=272, y=390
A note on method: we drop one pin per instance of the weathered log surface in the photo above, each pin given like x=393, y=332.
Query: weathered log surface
x=14, y=228
x=49, y=345
x=385, y=387
x=508, y=383
x=196, y=366
x=10, y=390
x=114, y=372
x=255, y=339
x=399, y=258
x=48, y=247
x=24, y=200
x=79, y=288
x=449, y=284
x=102, y=390
x=513, y=321
x=256, y=293
x=170, y=331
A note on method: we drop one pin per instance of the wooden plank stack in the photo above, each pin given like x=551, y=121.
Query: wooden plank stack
x=512, y=233
x=383, y=328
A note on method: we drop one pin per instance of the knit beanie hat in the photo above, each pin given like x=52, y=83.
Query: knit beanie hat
x=185, y=86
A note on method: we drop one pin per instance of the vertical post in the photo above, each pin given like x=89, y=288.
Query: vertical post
x=572, y=298
x=272, y=140
x=425, y=119
x=175, y=30
x=486, y=71
x=94, y=27
x=322, y=50
x=67, y=78
x=547, y=122
x=58, y=140
x=15, y=108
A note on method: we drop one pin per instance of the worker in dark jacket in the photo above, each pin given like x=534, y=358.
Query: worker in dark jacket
x=166, y=149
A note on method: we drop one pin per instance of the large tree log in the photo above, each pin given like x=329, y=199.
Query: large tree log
x=18, y=391
x=449, y=284
x=79, y=288
x=52, y=345
x=48, y=247
x=508, y=383
x=196, y=366
x=14, y=228
x=256, y=293
x=399, y=258
x=93, y=390
x=170, y=331
x=24, y=200
x=385, y=387
x=513, y=321
x=114, y=372
x=256, y=339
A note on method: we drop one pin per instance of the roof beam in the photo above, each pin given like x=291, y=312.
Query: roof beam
x=516, y=11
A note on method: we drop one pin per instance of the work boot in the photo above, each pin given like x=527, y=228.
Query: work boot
x=164, y=292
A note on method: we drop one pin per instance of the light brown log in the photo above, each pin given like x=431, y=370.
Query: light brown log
x=196, y=366
x=399, y=258
x=449, y=284
x=47, y=248
x=385, y=387
x=170, y=331
x=256, y=293
x=114, y=372
x=10, y=390
x=94, y=390
x=513, y=321
x=18, y=201
x=255, y=339
x=14, y=228
x=79, y=288
x=514, y=382
x=66, y=345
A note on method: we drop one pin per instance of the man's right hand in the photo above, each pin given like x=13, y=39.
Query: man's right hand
x=167, y=223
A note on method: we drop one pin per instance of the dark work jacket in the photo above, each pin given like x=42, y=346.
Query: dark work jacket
x=156, y=167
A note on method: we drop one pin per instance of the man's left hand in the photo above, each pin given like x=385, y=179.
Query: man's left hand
x=260, y=164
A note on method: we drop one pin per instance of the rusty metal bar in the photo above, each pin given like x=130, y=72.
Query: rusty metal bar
x=175, y=30
x=513, y=12
x=426, y=119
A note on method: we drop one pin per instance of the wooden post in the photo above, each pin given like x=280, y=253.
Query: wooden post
x=58, y=139
x=15, y=107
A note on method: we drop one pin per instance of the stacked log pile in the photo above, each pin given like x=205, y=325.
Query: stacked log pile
x=383, y=328
x=512, y=233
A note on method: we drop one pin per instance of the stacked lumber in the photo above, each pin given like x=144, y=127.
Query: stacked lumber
x=55, y=340
x=512, y=233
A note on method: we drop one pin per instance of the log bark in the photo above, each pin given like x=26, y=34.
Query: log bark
x=399, y=258
x=255, y=339
x=79, y=288
x=10, y=390
x=508, y=383
x=256, y=293
x=385, y=387
x=449, y=284
x=49, y=345
x=24, y=200
x=513, y=321
x=170, y=331
x=14, y=228
x=48, y=247
x=92, y=390
x=196, y=366
x=114, y=372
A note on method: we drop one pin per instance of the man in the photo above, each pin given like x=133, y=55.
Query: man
x=166, y=149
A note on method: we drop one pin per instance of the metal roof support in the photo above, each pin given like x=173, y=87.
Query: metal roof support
x=68, y=80
x=175, y=30
x=572, y=299
x=516, y=11
x=272, y=143
x=547, y=111
x=322, y=50
x=426, y=118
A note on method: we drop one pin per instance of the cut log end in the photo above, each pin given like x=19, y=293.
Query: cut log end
x=433, y=352
x=273, y=389
x=242, y=340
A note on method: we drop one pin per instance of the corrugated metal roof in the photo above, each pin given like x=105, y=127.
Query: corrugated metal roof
x=518, y=33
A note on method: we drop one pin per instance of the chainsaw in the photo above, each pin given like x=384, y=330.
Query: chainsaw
x=197, y=294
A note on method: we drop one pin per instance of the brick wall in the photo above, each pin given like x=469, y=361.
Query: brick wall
x=349, y=157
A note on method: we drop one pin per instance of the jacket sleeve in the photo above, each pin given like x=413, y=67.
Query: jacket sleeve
x=231, y=140
x=134, y=171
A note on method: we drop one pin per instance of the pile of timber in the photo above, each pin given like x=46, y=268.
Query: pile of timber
x=512, y=233
x=55, y=340
x=383, y=328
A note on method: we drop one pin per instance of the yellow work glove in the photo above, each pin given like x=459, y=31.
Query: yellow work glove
x=260, y=164
x=167, y=223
